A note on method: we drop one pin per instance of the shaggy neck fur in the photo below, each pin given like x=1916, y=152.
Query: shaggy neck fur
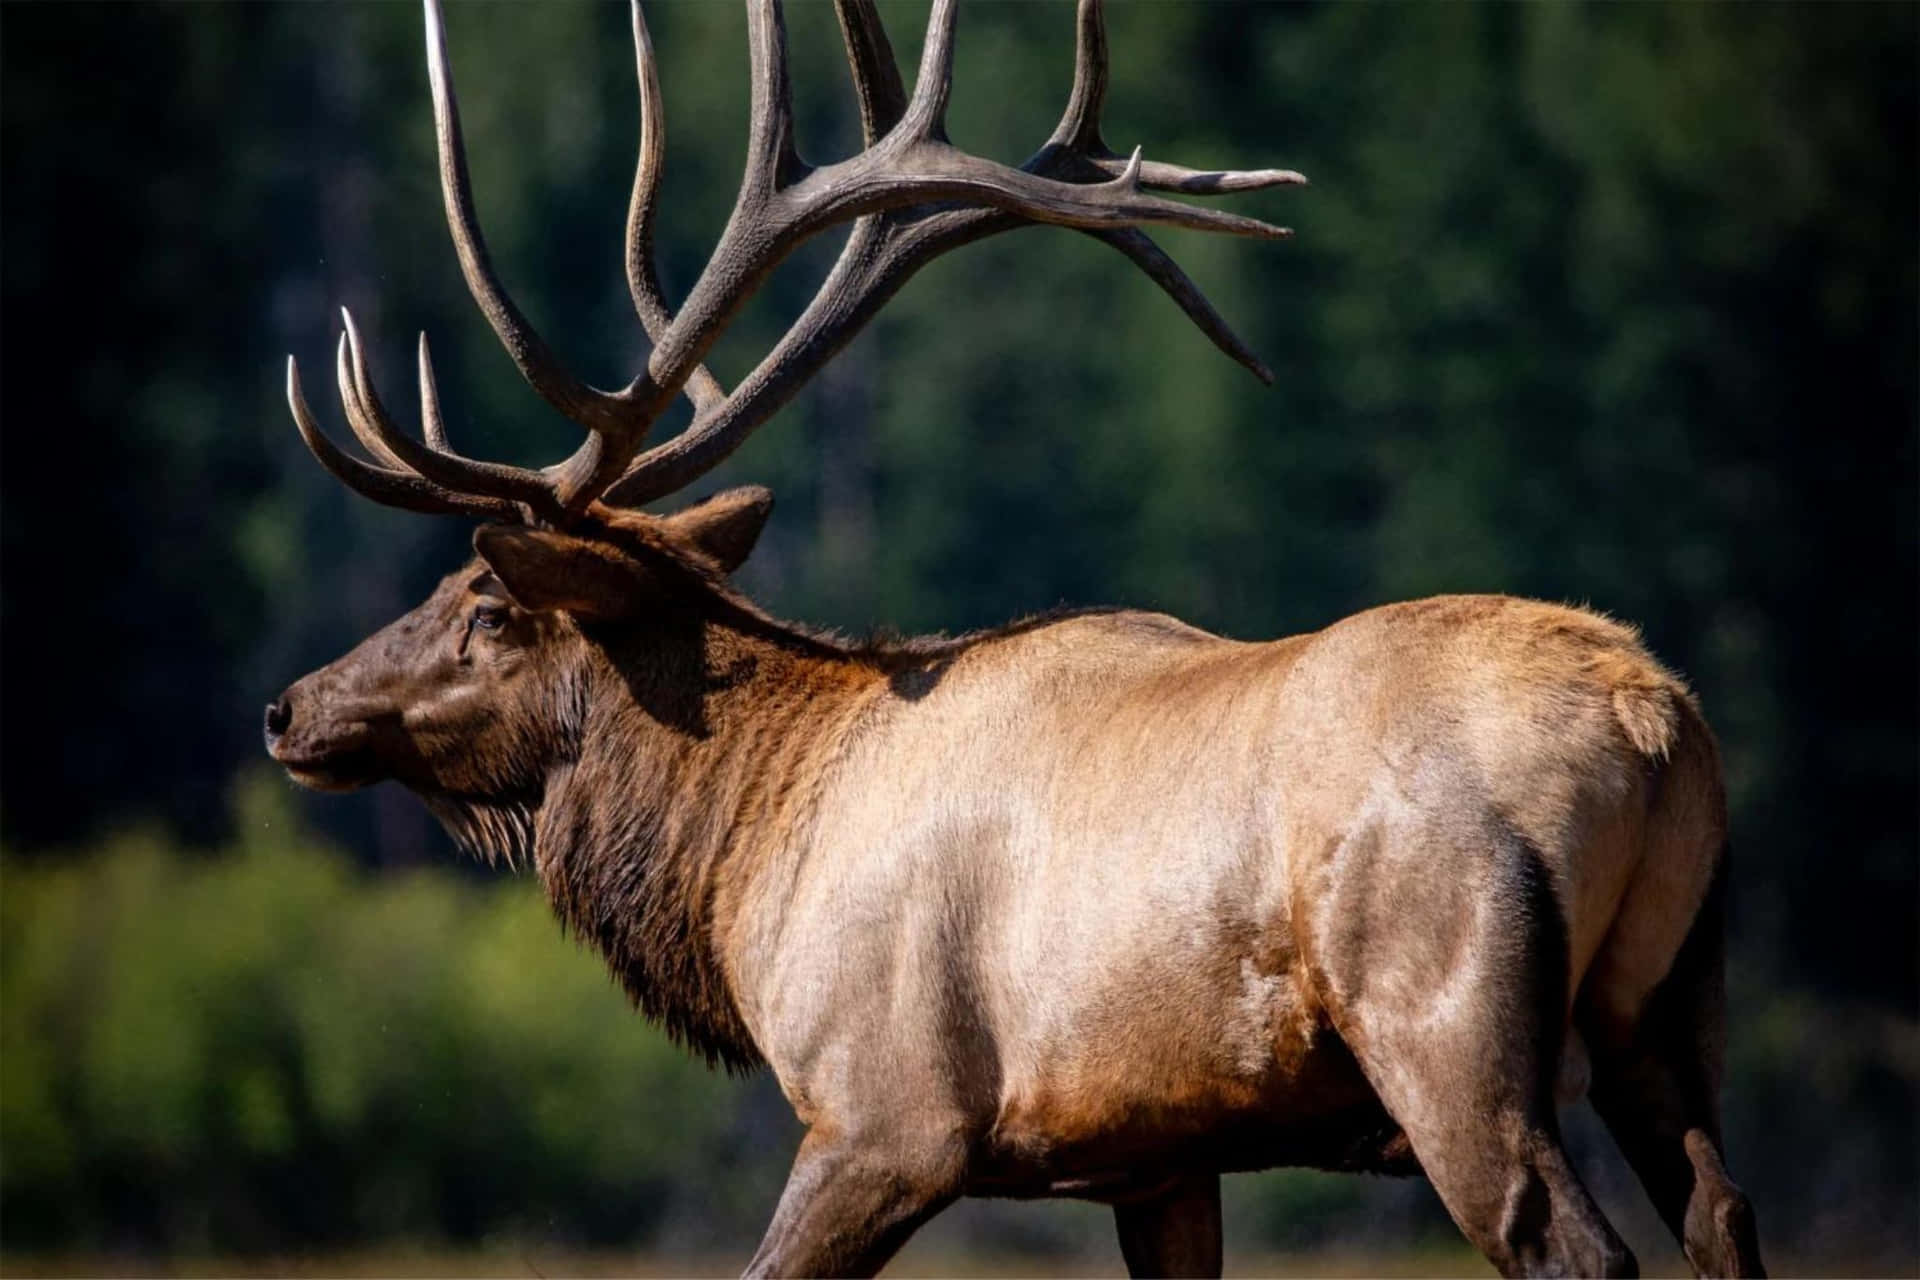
x=700, y=741
x=495, y=830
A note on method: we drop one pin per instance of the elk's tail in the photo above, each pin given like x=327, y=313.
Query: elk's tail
x=1683, y=845
x=1650, y=716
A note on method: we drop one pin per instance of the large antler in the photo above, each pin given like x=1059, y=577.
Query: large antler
x=911, y=196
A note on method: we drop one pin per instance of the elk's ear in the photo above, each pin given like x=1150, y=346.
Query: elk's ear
x=543, y=570
x=725, y=526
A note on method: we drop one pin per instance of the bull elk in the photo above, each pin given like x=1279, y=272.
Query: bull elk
x=1093, y=905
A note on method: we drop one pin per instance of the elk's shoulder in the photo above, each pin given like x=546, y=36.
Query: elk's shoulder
x=1135, y=625
x=1081, y=649
x=1066, y=629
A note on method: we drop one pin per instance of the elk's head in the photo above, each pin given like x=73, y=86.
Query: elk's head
x=479, y=690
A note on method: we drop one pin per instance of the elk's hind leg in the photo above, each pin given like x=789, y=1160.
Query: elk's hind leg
x=1657, y=1085
x=1173, y=1232
x=1456, y=1014
x=849, y=1205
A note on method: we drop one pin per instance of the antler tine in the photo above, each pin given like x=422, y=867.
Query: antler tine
x=876, y=76
x=926, y=116
x=602, y=412
x=401, y=489
x=1079, y=128
x=369, y=419
x=366, y=427
x=1157, y=175
x=772, y=162
x=432, y=425
x=1140, y=249
x=643, y=281
x=361, y=424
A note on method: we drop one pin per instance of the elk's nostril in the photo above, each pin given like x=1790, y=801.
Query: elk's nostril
x=279, y=716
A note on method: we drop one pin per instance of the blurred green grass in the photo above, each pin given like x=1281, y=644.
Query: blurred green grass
x=236, y=1049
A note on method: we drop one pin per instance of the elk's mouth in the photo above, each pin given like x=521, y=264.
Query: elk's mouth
x=347, y=766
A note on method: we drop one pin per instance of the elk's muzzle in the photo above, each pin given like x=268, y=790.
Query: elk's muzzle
x=317, y=746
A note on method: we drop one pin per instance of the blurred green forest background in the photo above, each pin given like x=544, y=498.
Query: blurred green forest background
x=1596, y=302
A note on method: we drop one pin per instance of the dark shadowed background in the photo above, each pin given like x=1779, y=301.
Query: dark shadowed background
x=1604, y=303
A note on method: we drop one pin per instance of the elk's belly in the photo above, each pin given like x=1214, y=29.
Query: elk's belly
x=1141, y=1088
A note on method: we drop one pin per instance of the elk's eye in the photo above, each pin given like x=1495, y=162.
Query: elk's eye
x=490, y=617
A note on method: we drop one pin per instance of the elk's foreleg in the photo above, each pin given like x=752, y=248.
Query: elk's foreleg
x=850, y=1204
x=1175, y=1231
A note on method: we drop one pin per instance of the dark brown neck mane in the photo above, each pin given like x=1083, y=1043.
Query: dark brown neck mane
x=699, y=744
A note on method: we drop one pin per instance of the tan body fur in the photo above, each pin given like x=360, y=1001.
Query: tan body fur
x=1122, y=879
